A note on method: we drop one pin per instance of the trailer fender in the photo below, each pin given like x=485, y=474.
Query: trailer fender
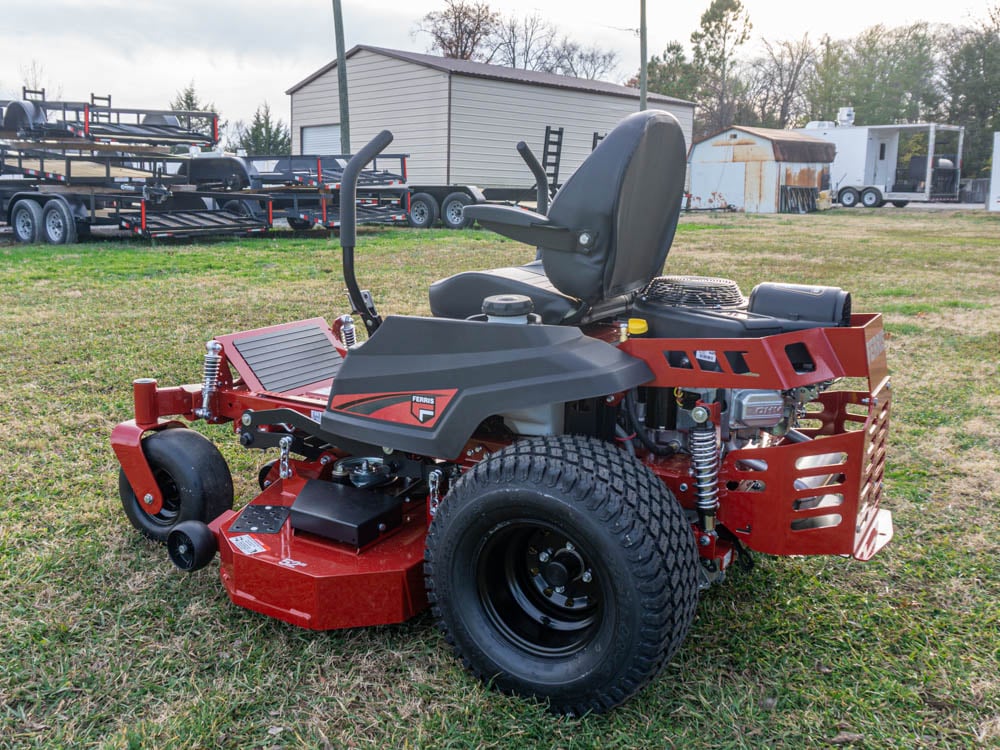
x=23, y=115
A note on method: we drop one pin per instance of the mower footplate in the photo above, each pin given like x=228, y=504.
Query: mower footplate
x=316, y=583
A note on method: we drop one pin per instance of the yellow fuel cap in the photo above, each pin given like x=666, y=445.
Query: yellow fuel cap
x=637, y=327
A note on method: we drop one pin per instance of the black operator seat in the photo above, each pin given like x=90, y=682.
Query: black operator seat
x=606, y=236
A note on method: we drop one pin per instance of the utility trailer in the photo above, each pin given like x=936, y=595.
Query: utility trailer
x=428, y=203
x=67, y=167
x=879, y=164
x=304, y=190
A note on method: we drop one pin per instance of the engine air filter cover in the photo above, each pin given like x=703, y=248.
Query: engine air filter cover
x=694, y=291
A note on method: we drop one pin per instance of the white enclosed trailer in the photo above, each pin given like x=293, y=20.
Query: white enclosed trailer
x=876, y=164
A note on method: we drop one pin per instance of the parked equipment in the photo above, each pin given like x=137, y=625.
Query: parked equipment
x=879, y=164
x=556, y=464
x=429, y=203
x=67, y=167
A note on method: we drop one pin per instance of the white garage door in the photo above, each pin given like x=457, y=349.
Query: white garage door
x=321, y=140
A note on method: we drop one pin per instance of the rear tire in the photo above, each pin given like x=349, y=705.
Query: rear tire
x=562, y=569
x=423, y=211
x=58, y=224
x=871, y=198
x=848, y=197
x=452, y=211
x=26, y=220
x=900, y=204
x=193, y=478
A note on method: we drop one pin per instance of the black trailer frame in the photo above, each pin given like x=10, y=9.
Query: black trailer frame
x=67, y=167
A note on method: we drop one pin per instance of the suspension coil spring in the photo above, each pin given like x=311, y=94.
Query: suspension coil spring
x=210, y=381
x=704, y=446
x=347, y=332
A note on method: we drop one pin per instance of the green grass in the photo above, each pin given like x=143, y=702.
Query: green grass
x=106, y=645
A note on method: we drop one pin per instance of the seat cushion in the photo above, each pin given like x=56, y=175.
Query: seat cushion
x=461, y=296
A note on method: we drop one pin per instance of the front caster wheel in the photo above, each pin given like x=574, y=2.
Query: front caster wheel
x=192, y=476
x=191, y=545
x=563, y=569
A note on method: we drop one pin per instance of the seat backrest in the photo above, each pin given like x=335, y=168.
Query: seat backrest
x=627, y=196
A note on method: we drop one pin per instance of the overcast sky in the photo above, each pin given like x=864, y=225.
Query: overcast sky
x=240, y=53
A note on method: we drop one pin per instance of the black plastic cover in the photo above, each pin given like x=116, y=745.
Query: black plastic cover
x=826, y=304
x=493, y=368
x=345, y=513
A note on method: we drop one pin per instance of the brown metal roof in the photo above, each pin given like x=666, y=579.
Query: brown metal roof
x=499, y=73
x=789, y=145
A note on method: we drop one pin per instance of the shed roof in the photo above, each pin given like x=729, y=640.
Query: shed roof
x=789, y=145
x=499, y=73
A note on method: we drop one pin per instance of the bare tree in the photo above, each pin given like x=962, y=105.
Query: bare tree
x=772, y=87
x=585, y=62
x=527, y=42
x=462, y=30
x=33, y=77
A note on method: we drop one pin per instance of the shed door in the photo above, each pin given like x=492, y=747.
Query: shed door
x=321, y=140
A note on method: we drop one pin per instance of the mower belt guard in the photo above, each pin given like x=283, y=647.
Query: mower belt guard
x=317, y=583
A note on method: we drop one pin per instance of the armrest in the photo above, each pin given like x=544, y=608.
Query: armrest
x=524, y=226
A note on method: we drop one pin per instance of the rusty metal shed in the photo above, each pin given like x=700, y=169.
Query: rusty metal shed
x=759, y=170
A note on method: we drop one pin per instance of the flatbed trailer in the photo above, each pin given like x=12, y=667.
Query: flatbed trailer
x=305, y=190
x=69, y=167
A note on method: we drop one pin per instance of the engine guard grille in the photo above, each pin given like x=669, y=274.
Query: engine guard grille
x=819, y=497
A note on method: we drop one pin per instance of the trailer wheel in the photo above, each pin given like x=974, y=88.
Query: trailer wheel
x=243, y=209
x=900, y=204
x=423, y=211
x=871, y=198
x=848, y=197
x=452, y=211
x=193, y=477
x=58, y=224
x=561, y=568
x=26, y=220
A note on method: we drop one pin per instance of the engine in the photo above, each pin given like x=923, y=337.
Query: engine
x=705, y=307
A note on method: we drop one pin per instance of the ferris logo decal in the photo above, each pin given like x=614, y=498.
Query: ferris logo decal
x=423, y=407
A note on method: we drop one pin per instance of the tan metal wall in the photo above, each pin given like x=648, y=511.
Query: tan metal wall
x=410, y=100
x=489, y=117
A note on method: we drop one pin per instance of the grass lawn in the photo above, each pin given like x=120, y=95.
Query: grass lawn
x=105, y=644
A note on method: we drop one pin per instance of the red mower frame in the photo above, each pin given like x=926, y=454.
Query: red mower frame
x=800, y=474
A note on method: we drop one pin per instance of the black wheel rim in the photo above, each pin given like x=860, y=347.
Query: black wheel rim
x=171, y=506
x=181, y=550
x=539, y=588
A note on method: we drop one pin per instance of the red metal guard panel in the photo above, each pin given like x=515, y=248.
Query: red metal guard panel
x=318, y=584
x=819, y=497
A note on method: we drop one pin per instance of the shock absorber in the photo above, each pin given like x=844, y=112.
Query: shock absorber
x=347, y=332
x=704, y=446
x=210, y=382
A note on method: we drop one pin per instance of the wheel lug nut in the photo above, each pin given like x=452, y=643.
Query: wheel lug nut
x=560, y=589
x=548, y=591
x=587, y=576
x=544, y=555
x=569, y=547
